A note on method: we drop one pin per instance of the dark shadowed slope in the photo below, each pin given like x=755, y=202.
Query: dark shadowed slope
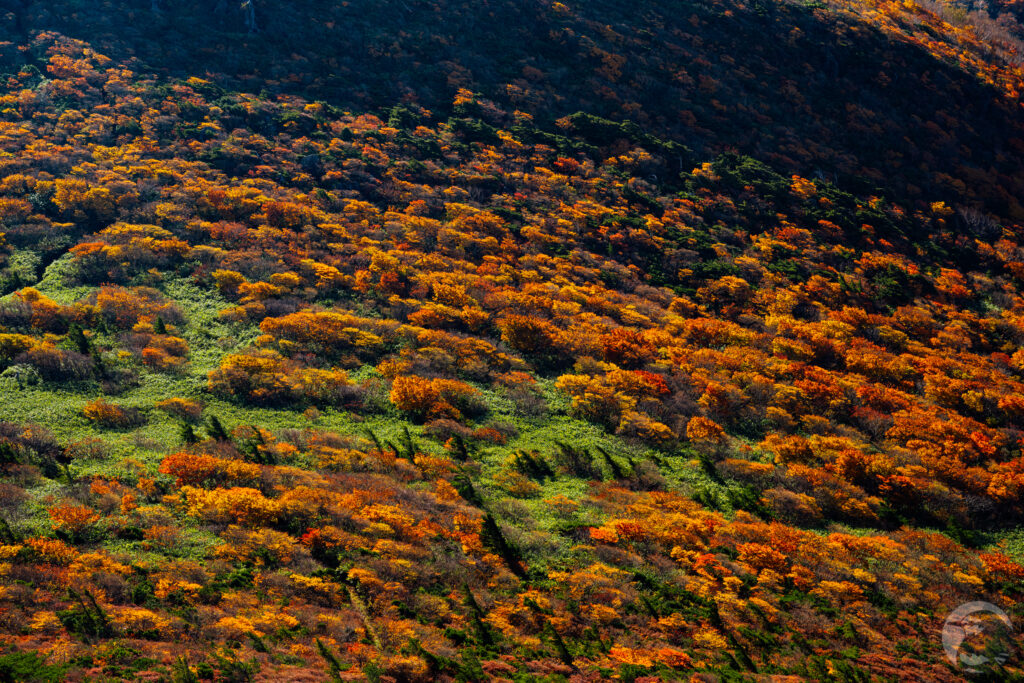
x=897, y=102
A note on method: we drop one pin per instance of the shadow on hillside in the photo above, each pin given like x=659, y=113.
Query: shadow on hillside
x=800, y=89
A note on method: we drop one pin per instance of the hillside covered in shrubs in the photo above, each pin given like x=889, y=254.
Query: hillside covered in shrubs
x=412, y=341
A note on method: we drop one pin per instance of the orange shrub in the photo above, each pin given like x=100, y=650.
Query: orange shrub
x=164, y=352
x=701, y=429
x=266, y=377
x=528, y=335
x=185, y=409
x=110, y=415
x=328, y=334
x=123, y=307
x=627, y=348
x=237, y=504
x=433, y=399
x=72, y=521
x=196, y=469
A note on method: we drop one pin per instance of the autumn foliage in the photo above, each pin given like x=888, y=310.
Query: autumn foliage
x=476, y=388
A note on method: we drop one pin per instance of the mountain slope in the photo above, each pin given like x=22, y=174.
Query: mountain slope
x=479, y=392
x=874, y=94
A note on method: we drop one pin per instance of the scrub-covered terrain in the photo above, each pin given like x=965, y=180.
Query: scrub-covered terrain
x=413, y=341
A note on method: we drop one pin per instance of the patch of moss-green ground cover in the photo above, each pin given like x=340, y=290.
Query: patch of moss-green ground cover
x=54, y=282
x=192, y=542
x=209, y=336
x=25, y=263
x=1010, y=542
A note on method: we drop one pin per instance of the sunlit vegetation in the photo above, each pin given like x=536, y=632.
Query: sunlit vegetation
x=471, y=387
